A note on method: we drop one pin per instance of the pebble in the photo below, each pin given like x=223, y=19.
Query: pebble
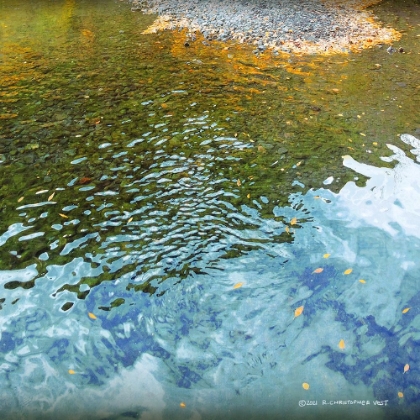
x=307, y=26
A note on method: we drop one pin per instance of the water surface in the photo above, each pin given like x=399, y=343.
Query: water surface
x=165, y=211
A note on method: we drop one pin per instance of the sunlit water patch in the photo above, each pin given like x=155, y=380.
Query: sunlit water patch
x=336, y=311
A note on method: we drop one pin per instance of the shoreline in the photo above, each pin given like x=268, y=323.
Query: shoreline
x=282, y=26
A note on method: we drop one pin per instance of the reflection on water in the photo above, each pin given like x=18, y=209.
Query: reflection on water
x=231, y=339
x=193, y=175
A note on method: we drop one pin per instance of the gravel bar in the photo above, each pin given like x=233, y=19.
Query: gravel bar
x=291, y=26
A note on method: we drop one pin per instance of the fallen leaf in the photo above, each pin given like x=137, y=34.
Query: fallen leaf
x=287, y=229
x=130, y=220
x=375, y=143
x=326, y=255
x=91, y=315
x=406, y=368
x=85, y=180
x=298, y=311
x=400, y=394
x=20, y=199
x=71, y=371
x=318, y=270
x=248, y=196
x=182, y=405
x=362, y=281
x=238, y=182
x=293, y=221
x=41, y=192
x=305, y=386
x=342, y=344
x=348, y=271
x=238, y=285
x=405, y=310
x=63, y=215
x=363, y=134
x=51, y=196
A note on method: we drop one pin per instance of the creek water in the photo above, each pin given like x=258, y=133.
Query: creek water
x=200, y=233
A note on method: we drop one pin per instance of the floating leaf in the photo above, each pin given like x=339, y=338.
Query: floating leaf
x=91, y=315
x=293, y=221
x=326, y=255
x=400, y=394
x=51, y=196
x=182, y=404
x=406, y=368
x=238, y=285
x=63, y=215
x=298, y=311
x=305, y=386
x=342, y=344
x=238, y=182
x=71, y=371
x=287, y=229
x=318, y=270
x=130, y=220
x=362, y=281
x=85, y=180
x=348, y=271
x=405, y=310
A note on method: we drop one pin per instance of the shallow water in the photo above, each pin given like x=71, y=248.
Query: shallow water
x=164, y=210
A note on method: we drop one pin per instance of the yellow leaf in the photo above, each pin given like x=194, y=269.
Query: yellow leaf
x=130, y=220
x=71, y=371
x=406, y=368
x=305, y=386
x=318, y=270
x=63, y=215
x=363, y=134
x=51, y=196
x=405, y=310
x=238, y=285
x=375, y=143
x=91, y=315
x=182, y=404
x=238, y=182
x=287, y=229
x=248, y=196
x=298, y=311
x=348, y=271
x=400, y=394
x=20, y=199
x=342, y=344
x=293, y=221
x=362, y=281
x=326, y=255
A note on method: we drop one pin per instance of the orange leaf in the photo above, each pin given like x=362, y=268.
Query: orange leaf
x=298, y=311
x=63, y=215
x=182, y=405
x=400, y=394
x=305, y=386
x=238, y=285
x=406, y=368
x=342, y=344
x=91, y=315
x=318, y=270
x=348, y=271
x=293, y=221
x=71, y=372
x=85, y=180
x=405, y=310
